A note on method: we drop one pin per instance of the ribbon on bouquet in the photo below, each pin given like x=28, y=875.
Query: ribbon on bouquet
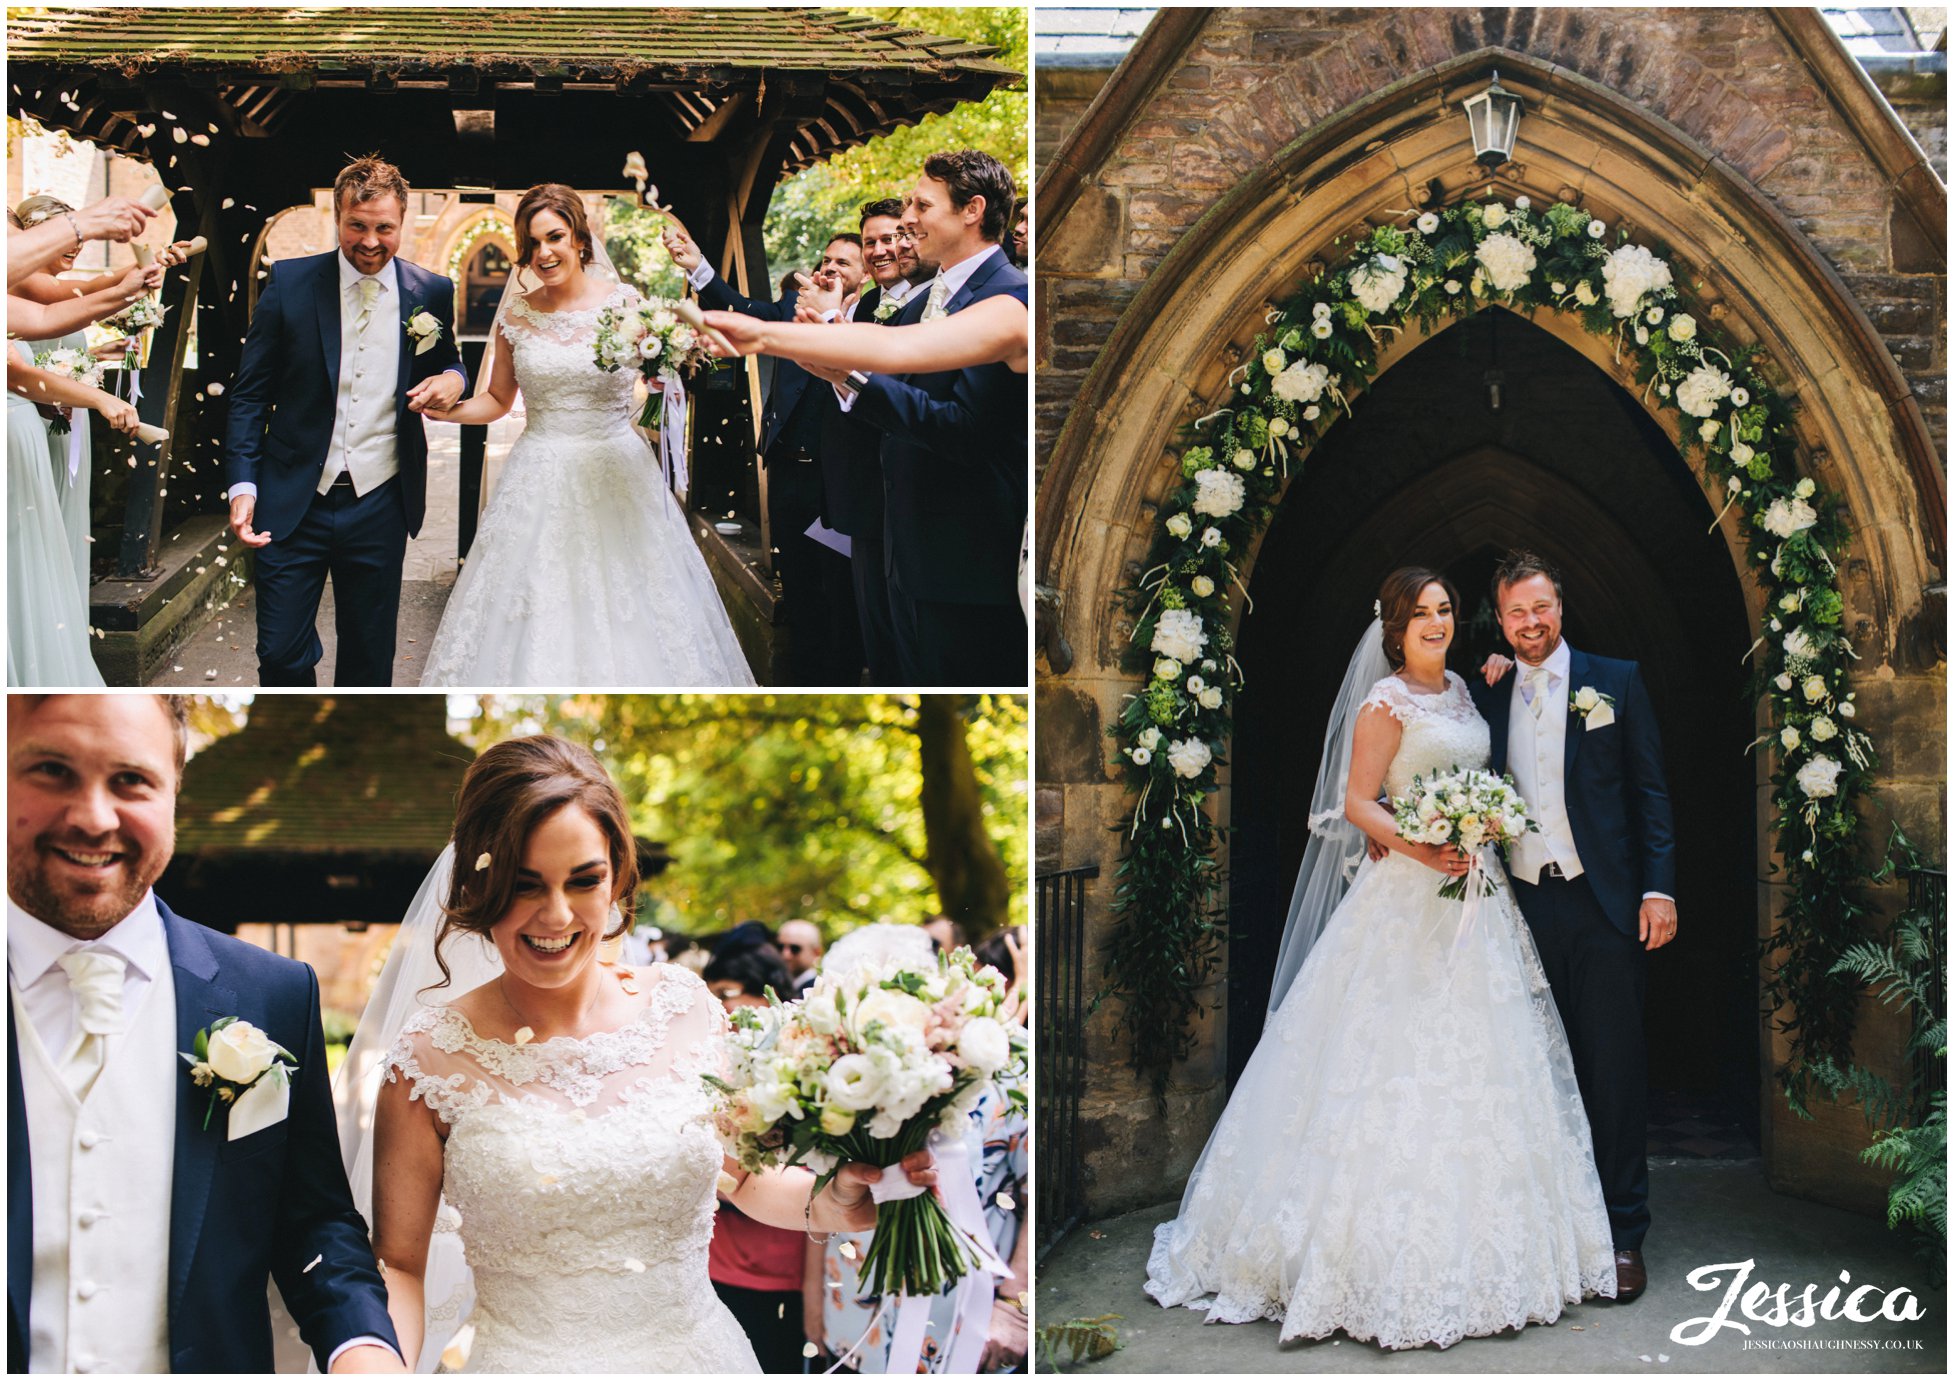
x=974, y=1294
x=1476, y=888
x=76, y=436
x=671, y=431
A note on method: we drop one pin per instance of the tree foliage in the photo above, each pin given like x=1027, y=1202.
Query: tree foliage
x=778, y=806
x=826, y=199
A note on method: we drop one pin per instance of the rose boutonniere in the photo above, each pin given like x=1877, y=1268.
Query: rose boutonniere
x=244, y=1067
x=886, y=308
x=1597, y=711
x=423, y=330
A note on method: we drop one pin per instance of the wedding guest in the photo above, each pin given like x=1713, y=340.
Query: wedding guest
x=1020, y=241
x=111, y=218
x=994, y=331
x=947, y=934
x=800, y=945
x=756, y=1269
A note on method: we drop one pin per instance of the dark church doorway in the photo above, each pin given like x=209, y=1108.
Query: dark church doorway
x=485, y=277
x=1495, y=434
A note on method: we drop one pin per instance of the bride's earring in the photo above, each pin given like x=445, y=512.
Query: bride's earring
x=611, y=948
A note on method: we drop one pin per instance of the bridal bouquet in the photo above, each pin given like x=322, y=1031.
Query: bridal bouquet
x=1469, y=809
x=141, y=315
x=864, y=1068
x=69, y=363
x=649, y=336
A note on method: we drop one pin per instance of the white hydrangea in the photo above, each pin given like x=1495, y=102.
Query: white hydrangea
x=1179, y=635
x=1819, y=778
x=1788, y=516
x=1378, y=283
x=1302, y=382
x=1699, y=394
x=1189, y=757
x=1630, y=274
x=1508, y=261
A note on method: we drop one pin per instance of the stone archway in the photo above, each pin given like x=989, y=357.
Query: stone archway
x=1165, y=361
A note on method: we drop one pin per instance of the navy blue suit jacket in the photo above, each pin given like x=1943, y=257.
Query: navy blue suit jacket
x=287, y=388
x=240, y=1211
x=1617, y=793
x=953, y=463
x=790, y=381
x=851, y=461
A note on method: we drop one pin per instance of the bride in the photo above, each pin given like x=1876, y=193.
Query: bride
x=1406, y=1157
x=584, y=572
x=536, y=1153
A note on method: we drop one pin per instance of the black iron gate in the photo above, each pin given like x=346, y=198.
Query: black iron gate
x=1061, y=1066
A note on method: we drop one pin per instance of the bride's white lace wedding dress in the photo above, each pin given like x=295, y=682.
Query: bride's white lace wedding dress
x=583, y=1173
x=1406, y=1157
x=583, y=572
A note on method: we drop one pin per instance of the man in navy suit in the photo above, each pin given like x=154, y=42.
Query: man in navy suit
x=143, y=1221
x=326, y=454
x=825, y=644
x=953, y=448
x=1597, y=883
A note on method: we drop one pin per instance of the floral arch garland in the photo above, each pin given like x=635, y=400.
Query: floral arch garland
x=1294, y=384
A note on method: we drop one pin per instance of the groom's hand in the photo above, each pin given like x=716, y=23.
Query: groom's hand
x=243, y=507
x=679, y=245
x=1658, y=922
x=436, y=394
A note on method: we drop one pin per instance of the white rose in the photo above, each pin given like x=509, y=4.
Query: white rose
x=1783, y=682
x=1180, y=525
x=1740, y=453
x=1586, y=699
x=1495, y=215
x=1819, y=777
x=1824, y=730
x=821, y=1013
x=1210, y=698
x=1584, y=293
x=1244, y=458
x=632, y=328
x=1428, y=222
x=1703, y=390
x=1179, y=634
x=1508, y=261
x=1377, y=286
x=1787, y=516
x=1218, y=493
x=1150, y=737
x=1789, y=738
x=1596, y=229
x=1302, y=382
x=1630, y=274
x=1189, y=757
x=1452, y=286
x=1682, y=327
x=1806, y=488
x=1273, y=360
x=1202, y=586
x=1813, y=689
x=1790, y=604
x=892, y=1008
x=984, y=1045
x=1141, y=756
x=240, y=1052
x=1209, y=664
x=1210, y=536
x=1278, y=426
x=1167, y=669
x=1733, y=484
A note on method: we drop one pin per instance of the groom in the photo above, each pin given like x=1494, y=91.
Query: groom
x=325, y=453
x=1597, y=883
x=142, y=1223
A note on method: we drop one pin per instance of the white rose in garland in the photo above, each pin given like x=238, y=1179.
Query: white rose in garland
x=1379, y=283
x=1179, y=635
x=1509, y=261
x=1630, y=274
x=1682, y=327
x=1819, y=778
x=1699, y=394
x=1180, y=525
x=1302, y=382
x=1218, y=493
x=1189, y=757
x=1786, y=517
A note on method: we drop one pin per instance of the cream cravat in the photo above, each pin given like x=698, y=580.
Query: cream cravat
x=939, y=298
x=369, y=294
x=95, y=978
x=1536, y=689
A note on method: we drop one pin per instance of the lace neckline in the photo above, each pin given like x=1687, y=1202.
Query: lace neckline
x=521, y=307
x=1451, y=680
x=671, y=996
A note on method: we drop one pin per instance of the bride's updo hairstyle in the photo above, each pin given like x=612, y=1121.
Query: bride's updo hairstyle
x=508, y=791
x=1397, y=601
x=551, y=196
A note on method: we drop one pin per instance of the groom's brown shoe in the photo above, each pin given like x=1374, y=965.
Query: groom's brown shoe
x=1630, y=1278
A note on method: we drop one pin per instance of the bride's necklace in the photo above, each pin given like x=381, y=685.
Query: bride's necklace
x=526, y=1031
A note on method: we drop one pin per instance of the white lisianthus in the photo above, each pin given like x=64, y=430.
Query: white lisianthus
x=1739, y=397
x=1847, y=708
x=821, y=1013
x=1378, y=283
x=1824, y=730
x=1202, y=586
x=1244, y=458
x=1141, y=756
x=1522, y=203
x=1788, y=516
x=1195, y=685
x=1790, y=738
x=1210, y=537
x=1700, y=393
x=855, y=1083
x=1428, y=222
x=1596, y=229
x=1641, y=335
x=1322, y=330
x=1663, y=389
x=241, y=1052
x=1478, y=284
x=1653, y=316
x=1585, y=294
x=984, y=1045
x=1819, y=778
x=1806, y=488
x=1321, y=311
x=1813, y=689
x=1274, y=360
x=1209, y=664
x=649, y=346
x=1189, y=757
x=1508, y=261
x=1682, y=327
x=772, y=1101
x=1179, y=635
x=1150, y=737
x=1494, y=215
x=1783, y=682
x=1210, y=698
x=1630, y=274
x=1312, y=412
x=1180, y=525
x=1302, y=382
x=1167, y=669
x=1452, y=286
x=1733, y=484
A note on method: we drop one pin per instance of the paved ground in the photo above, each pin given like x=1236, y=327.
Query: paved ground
x=1706, y=1212
x=223, y=653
